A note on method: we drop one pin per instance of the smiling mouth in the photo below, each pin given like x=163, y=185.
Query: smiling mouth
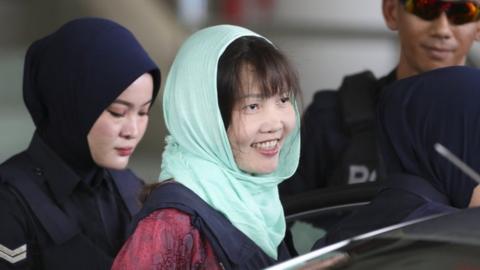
x=438, y=53
x=267, y=145
x=268, y=149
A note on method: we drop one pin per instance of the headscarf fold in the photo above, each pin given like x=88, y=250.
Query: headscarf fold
x=198, y=153
x=72, y=75
x=437, y=106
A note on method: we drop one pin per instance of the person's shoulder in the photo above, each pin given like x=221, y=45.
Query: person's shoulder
x=328, y=99
x=169, y=215
x=167, y=220
x=12, y=207
x=388, y=78
x=16, y=168
x=167, y=234
x=325, y=99
x=8, y=199
x=127, y=177
x=13, y=230
x=14, y=161
x=10, y=170
x=326, y=112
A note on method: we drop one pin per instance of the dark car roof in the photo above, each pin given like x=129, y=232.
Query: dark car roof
x=459, y=227
x=449, y=241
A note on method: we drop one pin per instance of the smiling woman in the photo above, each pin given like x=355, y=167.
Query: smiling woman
x=258, y=129
x=230, y=108
x=262, y=113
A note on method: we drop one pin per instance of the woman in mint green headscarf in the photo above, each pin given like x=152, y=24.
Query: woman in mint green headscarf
x=229, y=106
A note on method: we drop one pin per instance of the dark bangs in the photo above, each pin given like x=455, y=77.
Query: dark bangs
x=273, y=73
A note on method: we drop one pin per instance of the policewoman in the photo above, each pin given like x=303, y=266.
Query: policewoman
x=65, y=202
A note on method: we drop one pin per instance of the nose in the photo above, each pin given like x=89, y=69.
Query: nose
x=441, y=27
x=272, y=122
x=130, y=129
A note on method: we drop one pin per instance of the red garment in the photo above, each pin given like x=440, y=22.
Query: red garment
x=166, y=240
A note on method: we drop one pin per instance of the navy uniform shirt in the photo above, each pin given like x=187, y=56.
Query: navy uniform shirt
x=324, y=140
x=100, y=207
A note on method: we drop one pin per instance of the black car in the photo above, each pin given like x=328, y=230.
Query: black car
x=450, y=241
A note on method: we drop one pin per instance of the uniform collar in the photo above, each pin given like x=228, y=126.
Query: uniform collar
x=388, y=79
x=61, y=179
x=391, y=77
x=383, y=82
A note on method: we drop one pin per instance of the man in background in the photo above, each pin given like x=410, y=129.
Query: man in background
x=339, y=146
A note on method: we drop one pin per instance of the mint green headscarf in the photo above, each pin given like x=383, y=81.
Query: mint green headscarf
x=198, y=153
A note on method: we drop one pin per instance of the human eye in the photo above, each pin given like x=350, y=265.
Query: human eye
x=252, y=107
x=116, y=113
x=117, y=110
x=285, y=99
x=144, y=113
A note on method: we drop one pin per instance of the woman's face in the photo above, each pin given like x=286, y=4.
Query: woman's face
x=121, y=126
x=258, y=127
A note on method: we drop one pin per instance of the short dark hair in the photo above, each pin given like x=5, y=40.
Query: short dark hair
x=273, y=72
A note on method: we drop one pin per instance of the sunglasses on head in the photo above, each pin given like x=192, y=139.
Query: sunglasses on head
x=458, y=12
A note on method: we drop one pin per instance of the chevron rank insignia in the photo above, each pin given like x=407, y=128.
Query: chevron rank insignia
x=15, y=255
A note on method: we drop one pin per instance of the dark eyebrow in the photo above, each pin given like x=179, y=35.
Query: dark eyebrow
x=129, y=104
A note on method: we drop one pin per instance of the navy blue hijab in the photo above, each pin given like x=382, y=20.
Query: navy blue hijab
x=442, y=106
x=72, y=75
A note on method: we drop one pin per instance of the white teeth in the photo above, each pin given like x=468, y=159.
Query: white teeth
x=268, y=145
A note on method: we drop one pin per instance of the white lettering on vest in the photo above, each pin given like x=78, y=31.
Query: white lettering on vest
x=360, y=174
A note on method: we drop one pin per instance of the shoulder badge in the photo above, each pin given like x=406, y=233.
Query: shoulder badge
x=15, y=255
